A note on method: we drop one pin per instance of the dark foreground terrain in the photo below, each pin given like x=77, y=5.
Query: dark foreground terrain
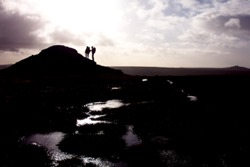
x=124, y=121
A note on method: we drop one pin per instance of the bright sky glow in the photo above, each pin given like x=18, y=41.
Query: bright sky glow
x=166, y=33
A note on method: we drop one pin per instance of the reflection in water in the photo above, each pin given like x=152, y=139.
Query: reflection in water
x=89, y=120
x=192, y=98
x=99, y=106
x=60, y=156
x=97, y=161
x=116, y=88
x=130, y=137
x=170, y=82
x=50, y=142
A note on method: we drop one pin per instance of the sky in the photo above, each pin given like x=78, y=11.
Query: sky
x=159, y=33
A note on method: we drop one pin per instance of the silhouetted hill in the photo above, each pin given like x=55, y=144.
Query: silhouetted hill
x=58, y=60
x=238, y=68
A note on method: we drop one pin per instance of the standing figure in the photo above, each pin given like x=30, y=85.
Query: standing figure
x=87, y=51
x=93, y=50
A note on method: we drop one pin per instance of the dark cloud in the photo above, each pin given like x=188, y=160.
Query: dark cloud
x=220, y=21
x=245, y=22
x=211, y=2
x=18, y=31
x=235, y=25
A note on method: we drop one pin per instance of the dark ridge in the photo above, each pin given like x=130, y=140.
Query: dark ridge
x=164, y=71
x=4, y=66
x=58, y=60
x=237, y=68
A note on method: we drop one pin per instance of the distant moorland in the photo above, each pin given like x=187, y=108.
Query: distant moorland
x=164, y=71
x=181, y=71
x=4, y=66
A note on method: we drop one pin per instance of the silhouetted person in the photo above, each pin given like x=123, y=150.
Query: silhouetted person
x=87, y=51
x=93, y=50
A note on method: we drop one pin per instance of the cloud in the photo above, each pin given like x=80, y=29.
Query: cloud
x=244, y=22
x=103, y=40
x=224, y=26
x=19, y=31
x=233, y=23
x=66, y=37
x=189, y=3
x=155, y=32
x=205, y=40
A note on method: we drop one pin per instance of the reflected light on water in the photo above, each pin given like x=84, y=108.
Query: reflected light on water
x=170, y=82
x=97, y=161
x=116, y=88
x=49, y=141
x=192, y=98
x=99, y=106
x=90, y=121
x=130, y=138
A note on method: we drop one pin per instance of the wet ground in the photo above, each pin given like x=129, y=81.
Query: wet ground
x=153, y=121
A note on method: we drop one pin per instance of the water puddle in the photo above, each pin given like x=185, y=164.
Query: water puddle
x=99, y=106
x=170, y=82
x=102, y=163
x=50, y=142
x=130, y=138
x=116, y=88
x=192, y=98
x=90, y=120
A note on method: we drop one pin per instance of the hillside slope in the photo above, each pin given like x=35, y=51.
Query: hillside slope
x=58, y=60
